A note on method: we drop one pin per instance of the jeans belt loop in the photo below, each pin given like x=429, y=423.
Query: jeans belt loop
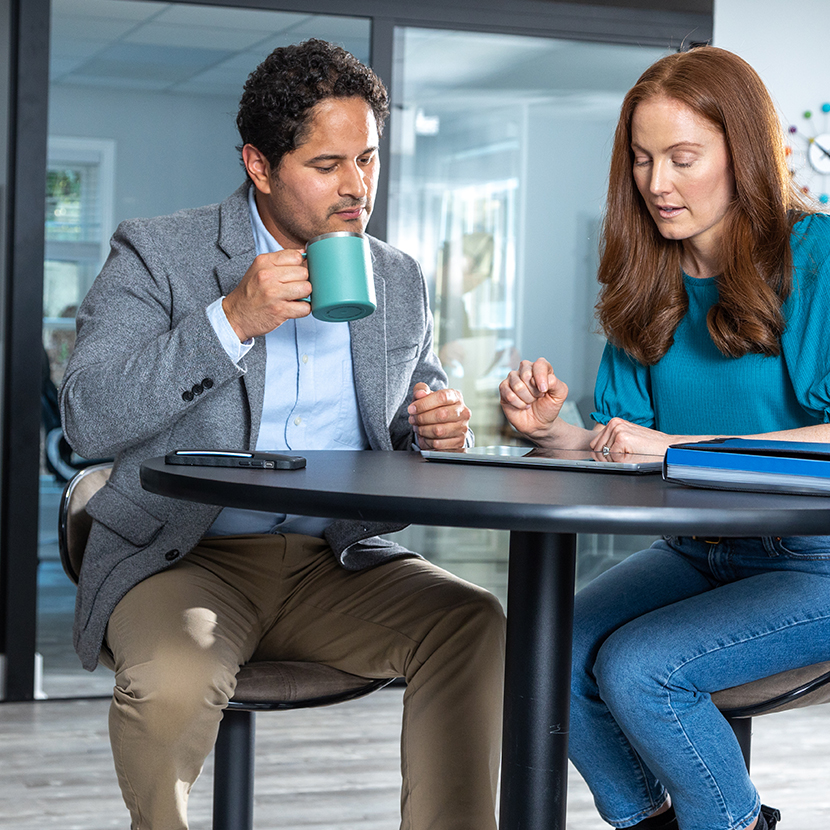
x=716, y=541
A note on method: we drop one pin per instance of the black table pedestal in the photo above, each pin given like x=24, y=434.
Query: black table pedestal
x=540, y=590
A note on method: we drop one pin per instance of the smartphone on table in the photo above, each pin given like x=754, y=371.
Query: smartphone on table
x=244, y=459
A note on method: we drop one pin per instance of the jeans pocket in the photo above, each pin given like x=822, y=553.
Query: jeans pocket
x=802, y=547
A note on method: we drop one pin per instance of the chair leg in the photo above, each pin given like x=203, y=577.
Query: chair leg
x=742, y=727
x=233, y=776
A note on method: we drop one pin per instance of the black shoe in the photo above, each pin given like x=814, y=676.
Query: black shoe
x=768, y=818
x=665, y=821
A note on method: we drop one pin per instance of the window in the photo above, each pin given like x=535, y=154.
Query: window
x=79, y=195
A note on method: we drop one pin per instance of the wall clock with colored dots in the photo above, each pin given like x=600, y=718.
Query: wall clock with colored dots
x=813, y=156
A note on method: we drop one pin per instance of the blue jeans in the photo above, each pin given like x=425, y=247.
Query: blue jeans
x=654, y=636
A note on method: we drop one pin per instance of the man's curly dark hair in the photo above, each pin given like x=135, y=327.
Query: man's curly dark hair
x=275, y=109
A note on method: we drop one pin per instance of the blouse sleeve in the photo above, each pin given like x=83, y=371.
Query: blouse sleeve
x=805, y=343
x=623, y=389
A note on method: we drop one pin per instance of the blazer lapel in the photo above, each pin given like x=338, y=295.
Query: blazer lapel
x=236, y=239
x=369, y=360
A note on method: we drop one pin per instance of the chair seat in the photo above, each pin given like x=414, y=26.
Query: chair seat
x=778, y=692
x=297, y=685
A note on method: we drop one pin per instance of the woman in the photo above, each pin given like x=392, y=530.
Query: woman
x=715, y=292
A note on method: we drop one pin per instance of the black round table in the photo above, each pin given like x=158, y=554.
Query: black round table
x=544, y=509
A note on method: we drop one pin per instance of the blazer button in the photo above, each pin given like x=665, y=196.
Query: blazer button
x=197, y=389
x=187, y=395
x=171, y=555
x=207, y=383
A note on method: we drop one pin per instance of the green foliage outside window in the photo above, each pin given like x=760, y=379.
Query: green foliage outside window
x=63, y=204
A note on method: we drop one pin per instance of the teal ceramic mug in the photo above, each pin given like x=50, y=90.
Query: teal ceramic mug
x=340, y=272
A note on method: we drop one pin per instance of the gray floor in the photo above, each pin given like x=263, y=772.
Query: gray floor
x=331, y=769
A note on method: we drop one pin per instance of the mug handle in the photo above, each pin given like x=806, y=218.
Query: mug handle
x=304, y=255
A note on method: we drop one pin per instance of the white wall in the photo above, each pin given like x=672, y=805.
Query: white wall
x=172, y=151
x=786, y=43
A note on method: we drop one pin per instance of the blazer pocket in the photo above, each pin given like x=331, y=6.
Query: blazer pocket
x=123, y=516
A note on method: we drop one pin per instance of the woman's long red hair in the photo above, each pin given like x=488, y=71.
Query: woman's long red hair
x=642, y=298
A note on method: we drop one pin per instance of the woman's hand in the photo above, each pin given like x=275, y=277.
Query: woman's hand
x=619, y=436
x=531, y=398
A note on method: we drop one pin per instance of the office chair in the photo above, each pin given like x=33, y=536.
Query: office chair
x=806, y=686
x=58, y=457
x=261, y=686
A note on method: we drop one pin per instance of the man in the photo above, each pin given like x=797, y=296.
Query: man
x=195, y=334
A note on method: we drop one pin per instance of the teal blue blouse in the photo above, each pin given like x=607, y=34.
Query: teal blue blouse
x=696, y=390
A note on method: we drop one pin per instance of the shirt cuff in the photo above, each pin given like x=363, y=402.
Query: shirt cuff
x=224, y=331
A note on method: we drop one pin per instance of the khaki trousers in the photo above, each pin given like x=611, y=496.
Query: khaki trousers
x=179, y=637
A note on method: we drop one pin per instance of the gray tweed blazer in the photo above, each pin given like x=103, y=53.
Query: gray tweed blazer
x=144, y=341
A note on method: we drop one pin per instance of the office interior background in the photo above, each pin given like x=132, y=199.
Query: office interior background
x=494, y=171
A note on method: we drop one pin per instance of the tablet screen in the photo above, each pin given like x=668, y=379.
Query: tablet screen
x=562, y=459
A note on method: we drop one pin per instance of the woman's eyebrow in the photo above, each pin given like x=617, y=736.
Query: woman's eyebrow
x=635, y=146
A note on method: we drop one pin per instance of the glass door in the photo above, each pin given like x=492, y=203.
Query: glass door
x=143, y=100
x=501, y=147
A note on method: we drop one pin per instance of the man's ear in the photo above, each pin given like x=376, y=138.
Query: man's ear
x=258, y=168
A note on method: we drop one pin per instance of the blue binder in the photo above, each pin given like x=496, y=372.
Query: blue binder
x=750, y=464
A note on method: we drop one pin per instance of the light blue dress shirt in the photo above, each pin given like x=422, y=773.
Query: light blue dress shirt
x=310, y=400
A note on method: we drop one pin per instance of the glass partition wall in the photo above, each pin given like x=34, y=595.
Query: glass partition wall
x=143, y=100
x=494, y=177
x=500, y=153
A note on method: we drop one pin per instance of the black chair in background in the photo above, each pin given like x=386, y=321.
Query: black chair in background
x=262, y=686
x=59, y=458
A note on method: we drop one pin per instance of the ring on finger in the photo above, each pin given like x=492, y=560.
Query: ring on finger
x=606, y=450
